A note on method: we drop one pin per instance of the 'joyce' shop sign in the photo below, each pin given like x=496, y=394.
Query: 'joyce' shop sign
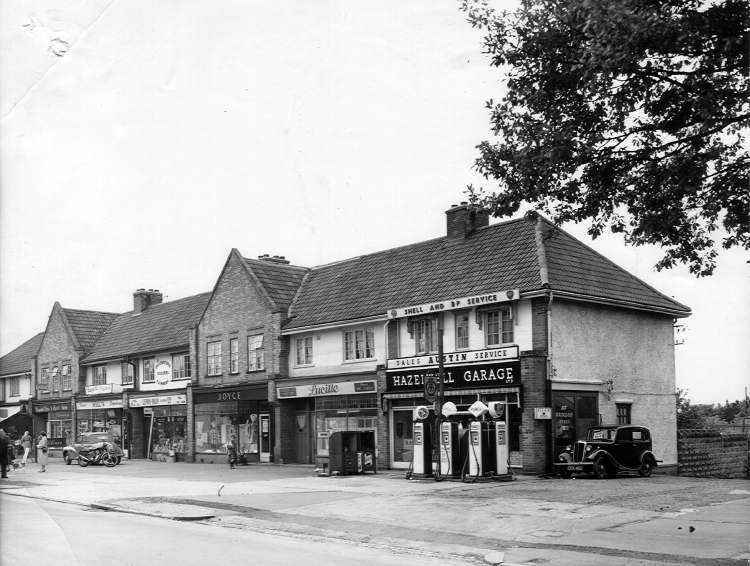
x=472, y=376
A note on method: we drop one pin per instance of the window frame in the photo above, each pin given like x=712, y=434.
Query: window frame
x=303, y=349
x=67, y=377
x=97, y=375
x=148, y=374
x=465, y=316
x=213, y=360
x=15, y=387
x=125, y=370
x=234, y=356
x=256, y=357
x=185, y=371
x=624, y=413
x=505, y=318
x=425, y=332
x=358, y=341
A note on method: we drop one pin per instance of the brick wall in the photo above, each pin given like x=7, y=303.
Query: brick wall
x=58, y=348
x=383, y=441
x=708, y=453
x=534, y=433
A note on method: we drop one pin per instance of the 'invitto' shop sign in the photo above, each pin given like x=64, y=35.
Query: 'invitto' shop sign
x=327, y=388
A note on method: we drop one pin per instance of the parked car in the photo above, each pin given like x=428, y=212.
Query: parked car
x=87, y=443
x=609, y=450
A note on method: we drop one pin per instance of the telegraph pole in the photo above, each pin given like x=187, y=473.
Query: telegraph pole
x=440, y=392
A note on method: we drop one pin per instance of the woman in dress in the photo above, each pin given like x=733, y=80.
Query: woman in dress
x=41, y=446
x=26, y=443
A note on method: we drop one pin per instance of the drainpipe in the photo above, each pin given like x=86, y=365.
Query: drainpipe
x=550, y=375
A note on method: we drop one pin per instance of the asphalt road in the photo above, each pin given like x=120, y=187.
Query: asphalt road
x=46, y=533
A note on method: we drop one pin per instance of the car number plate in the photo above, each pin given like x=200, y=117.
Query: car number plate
x=575, y=468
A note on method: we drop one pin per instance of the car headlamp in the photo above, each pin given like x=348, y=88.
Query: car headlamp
x=589, y=448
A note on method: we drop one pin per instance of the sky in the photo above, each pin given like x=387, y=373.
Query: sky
x=141, y=141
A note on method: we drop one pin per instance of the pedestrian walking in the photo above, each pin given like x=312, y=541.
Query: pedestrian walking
x=5, y=458
x=41, y=446
x=232, y=452
x=26, y=444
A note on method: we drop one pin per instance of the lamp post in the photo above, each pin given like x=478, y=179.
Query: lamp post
x=440, y=392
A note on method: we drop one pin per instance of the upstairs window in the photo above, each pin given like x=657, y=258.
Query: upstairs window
x=128, y=374
x=15, y=386
x=255, y=353
x=234, y=355
x=498, y=327
x=44, y=380
x=148, y=370
x=100, y=375
x=213, y=358
x=181, y=368
x=67, y=378
x=359, y=344
x=304, y=351
x=424, y=331
x=55, y=379
x=462, y=331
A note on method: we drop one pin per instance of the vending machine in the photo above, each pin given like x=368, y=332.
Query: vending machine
x=450, y=449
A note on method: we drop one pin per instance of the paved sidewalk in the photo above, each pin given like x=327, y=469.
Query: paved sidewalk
x=623, y=521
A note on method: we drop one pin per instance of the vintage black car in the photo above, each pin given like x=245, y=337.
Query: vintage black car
x=609, y=450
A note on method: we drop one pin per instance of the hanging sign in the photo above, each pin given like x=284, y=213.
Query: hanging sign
x=163, y=372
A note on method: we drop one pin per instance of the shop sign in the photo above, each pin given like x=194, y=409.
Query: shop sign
x=51, y=408
x=103, y=404
x=323, y=389
x=543, y=413
x=163, y=372
x=472, y=376
x=457, y=303
x=158, y=400
x=233, y=394
x=456, y=358
x=99, y=389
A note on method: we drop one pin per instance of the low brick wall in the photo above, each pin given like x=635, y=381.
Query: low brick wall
x=708, y=453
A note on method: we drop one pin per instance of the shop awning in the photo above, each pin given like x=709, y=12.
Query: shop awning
x=512, y=394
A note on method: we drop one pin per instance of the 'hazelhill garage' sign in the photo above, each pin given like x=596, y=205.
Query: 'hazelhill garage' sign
x=471, y=376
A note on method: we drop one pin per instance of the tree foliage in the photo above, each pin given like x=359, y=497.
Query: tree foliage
x=631, y=115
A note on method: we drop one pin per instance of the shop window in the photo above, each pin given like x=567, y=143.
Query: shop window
x=128, y=373
x=217, y=423
x=67, y=378
x=234, y=355
x=148, y=370
x=304, y=351
x=100, y=375
x=623, y=413
x=181, y=366
x=424, y=332
x=213, y=358
x=168, y=434
x=359, y=344
x=462, y=331
x=15, y=386
x=255, y=353
x=343, y=413
x=498, y=327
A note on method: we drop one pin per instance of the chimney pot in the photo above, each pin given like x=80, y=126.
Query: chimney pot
x=465, y=219
x=142, y=299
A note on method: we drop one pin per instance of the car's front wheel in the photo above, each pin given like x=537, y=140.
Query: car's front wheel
x=647, y=466
x=601, y=469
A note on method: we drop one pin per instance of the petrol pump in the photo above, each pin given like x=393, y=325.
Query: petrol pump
x=482, y=457
x=422, y=444
x=450, y=449
x=498, y=412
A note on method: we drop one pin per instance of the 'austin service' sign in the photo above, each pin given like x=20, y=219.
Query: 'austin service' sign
x=472, y=376
x=505, y=354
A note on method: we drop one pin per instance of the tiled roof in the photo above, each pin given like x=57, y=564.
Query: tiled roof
x=88, y=326
x=494, y=258
x=576, y=268
x=159, y=327
x=19, y=360
x=280, y=280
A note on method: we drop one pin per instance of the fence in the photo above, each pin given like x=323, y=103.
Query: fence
x=711, y=453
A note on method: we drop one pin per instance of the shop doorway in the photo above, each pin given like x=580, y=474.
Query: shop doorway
x=265, y=437
x=304, y=438
x=574, y=412
x=402, y=428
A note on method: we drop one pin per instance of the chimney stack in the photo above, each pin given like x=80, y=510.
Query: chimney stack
x=464, y=219
x=142, y=299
